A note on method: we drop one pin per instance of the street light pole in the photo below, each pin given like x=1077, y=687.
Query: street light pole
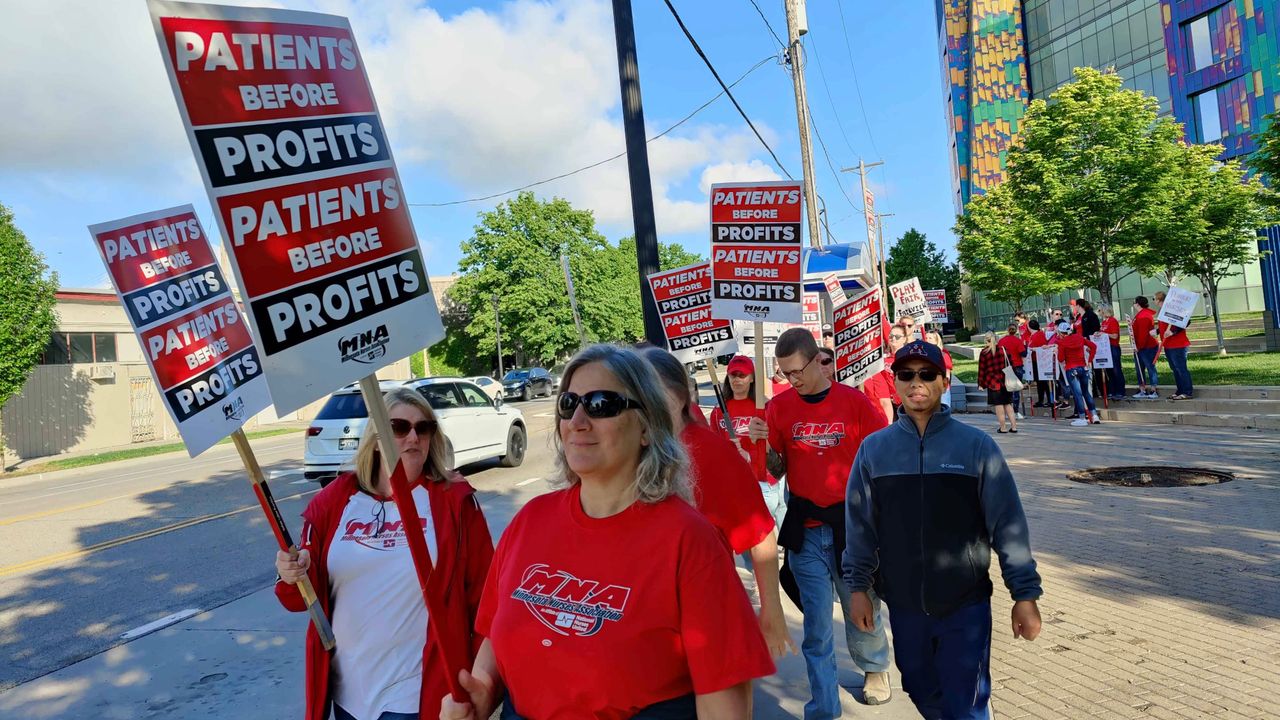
x=497, y=333
x=797, y=25
x=869, y=214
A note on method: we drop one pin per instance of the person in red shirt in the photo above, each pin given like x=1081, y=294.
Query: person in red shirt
x=1038, y=339
x=1074, y=352
x=879, y=388
x=1024, y=330
x=740, y=396
x=726, y=492
x=935, y=339
x=817, y=429
x=355, y=553
x=991, y=378
x=827, y=362
x=613, y=596
x=1115, y=373
x=1175, y=342
x=1144, y=340
x=1012, y=348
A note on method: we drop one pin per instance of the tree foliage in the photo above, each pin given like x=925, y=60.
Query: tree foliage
x=28, y=293
x=914, y=255
x=996, y=241
x=1266, y=159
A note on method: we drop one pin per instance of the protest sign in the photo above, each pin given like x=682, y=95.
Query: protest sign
x=813, y=315
x=908, y=299
x=288, y=139
x=683, y=297
x=756, y=251
x=859, y=338
x=869, y=214
x=194, y=338
x=835, y=290
x=1046, y=362
x=1102, y=360
x=937, y=302
x=1178, y=306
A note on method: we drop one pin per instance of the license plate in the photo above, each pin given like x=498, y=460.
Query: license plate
x=348, y=443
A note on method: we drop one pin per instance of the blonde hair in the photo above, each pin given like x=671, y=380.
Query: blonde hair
x=663, y=470
x=368, y=458
x=990, y=340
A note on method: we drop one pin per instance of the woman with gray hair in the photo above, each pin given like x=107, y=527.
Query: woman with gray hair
x=355, y=550
x=610, y=598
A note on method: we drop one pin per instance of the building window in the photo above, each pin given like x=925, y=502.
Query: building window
x=104, y=348
x=81, y=347
x=67, y=348
x=56, y=352
x=1208, y=121
x=1199, y=48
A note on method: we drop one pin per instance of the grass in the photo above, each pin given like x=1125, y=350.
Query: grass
x=129, y=454
x=1206, y=369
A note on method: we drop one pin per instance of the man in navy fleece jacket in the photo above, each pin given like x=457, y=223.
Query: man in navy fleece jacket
x=928, y=499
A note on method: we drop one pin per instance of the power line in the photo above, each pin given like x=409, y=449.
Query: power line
x=766, y=24
x=561, y=176
x=856, y=86
x=823, y=75
x=698, y=49
x=825, y=154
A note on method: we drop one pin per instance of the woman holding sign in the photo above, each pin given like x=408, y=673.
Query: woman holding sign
x=613, y=597
x=384, y=667
x=740, y=397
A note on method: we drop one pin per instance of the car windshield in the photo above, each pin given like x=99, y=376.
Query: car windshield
x=344, y=406
x=516, y=375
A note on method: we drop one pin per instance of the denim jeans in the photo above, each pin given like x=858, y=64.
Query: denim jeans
x=945, y=661
x=774, y=500
x=1079, y=379
x=1017, y=397
x=817, y=573
x=1147, y=374
x=340, y=714
x=1115, y=375
x=1177, y=358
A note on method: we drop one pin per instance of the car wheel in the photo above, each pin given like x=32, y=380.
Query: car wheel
x=517, y=442
x=526, y=394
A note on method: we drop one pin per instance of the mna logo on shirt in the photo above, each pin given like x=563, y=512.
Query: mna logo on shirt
x=818, y=435
x=568, y=605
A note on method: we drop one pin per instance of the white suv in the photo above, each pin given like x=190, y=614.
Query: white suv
x=475, y=427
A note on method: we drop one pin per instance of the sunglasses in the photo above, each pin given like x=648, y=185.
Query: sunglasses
x=739, y=375
x=926, y=375
x=825, y=360
x=401, y=427
x=597, y=404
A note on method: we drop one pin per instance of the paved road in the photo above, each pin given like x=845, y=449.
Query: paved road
x=90, y=554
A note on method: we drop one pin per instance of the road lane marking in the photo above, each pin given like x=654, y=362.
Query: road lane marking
x=47, y=560
x=163, y=622
x=530, y=481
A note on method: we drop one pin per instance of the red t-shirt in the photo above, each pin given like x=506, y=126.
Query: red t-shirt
x=1174, y=341
x=880, y=386
x=1071, y=350
x=1025, y=332
x=1143, y=322
x=741, y=412
x=1012, y=345
x=600, y=617
x=777, y=388
x=820, y=440
x=1110, y=326
x=1038, y=339
x=725, y=490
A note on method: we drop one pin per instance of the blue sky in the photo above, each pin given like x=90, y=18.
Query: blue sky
x=481, y=97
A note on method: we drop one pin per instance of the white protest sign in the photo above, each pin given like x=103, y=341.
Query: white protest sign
x=201, y=355
x=1046, y=362
x=756, y=251
x=937, y=301
x=859, y=338
x=286, y=133
x=1102, y=360
x=869, y=214
x=1178, y=306
x=909, y=299
x=835, y=290
x=683, y=297
x=813, y=315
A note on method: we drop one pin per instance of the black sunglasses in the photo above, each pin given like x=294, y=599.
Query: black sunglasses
x=400, y=427
x=597, y=404
x=925, y=374
x=825, y=360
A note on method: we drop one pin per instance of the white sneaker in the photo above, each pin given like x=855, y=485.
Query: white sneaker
x=1079, y=422
x=1097, y=419
x=1019, y=416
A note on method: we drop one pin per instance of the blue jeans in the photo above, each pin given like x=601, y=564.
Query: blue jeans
x=1147, y=374
x=1177, y=358
x=1079, y=380
x=817, y=573
x=773, y=499
x=340, y=714
x=1115, y=374
x=1017, y=397
x=945, y=662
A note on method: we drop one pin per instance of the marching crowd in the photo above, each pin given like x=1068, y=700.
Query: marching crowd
x=616, y=594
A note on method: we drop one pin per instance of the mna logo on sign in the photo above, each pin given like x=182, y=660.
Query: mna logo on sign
x=365, y=347
x=760, y=311
x=234, y=410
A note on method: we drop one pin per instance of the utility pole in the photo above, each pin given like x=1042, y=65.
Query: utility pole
x=869, y=214
x=497, y=333
x=797, y=25
x=638, y=166
x=573, y=299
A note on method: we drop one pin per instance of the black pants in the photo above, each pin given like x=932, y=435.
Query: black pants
x=681, y=708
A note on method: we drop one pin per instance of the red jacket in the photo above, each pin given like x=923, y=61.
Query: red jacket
x=1142, y=325
x=464, y=550
x=1014, y=347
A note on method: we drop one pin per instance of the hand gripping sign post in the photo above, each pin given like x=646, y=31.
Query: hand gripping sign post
x=287, y=136
x=196, y=344
x=859, y=340
x=909, y=299
x=755, y=257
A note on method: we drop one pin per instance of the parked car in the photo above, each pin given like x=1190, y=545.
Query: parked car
x=556, y=373
x=527, y=383
x=491, y=387
x=476, y=427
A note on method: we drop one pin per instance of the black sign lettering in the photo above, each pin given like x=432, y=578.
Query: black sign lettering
x=266, y=151
x=211, y=387
x=173, y=296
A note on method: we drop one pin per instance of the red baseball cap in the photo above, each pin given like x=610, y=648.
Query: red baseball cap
x=741, y=365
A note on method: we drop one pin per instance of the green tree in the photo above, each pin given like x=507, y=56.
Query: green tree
x=1208, y=222
x=1092, y=165
x=996, y=238
x=914, y=255
x=1266, y=159
x=28, y=292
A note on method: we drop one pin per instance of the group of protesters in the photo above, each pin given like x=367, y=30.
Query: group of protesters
x=616, y=594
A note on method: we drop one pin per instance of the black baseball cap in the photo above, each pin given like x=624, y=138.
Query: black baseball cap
x=920, y=350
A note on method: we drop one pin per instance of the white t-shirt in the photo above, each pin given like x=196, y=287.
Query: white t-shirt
x=379, y=618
